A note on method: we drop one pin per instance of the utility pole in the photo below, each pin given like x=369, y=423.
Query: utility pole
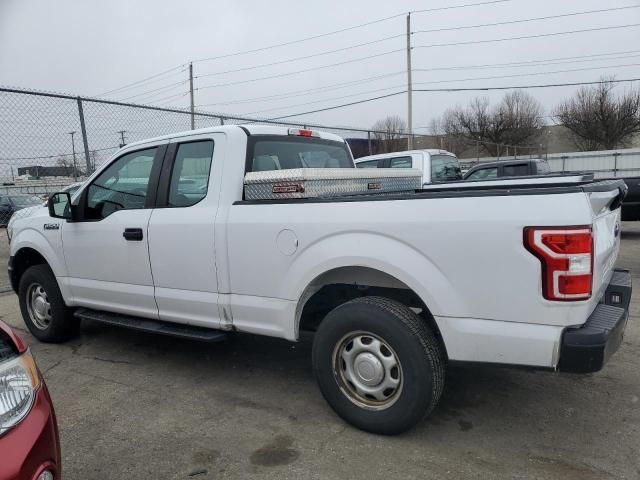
x=123, y=142
x=409, y=86
x=73, y=149
x=193, y=117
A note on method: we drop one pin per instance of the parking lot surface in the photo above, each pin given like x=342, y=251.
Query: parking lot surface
x=133, y=405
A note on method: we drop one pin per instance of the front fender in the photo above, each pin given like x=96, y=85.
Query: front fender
x=380, y=252
x=49, y=248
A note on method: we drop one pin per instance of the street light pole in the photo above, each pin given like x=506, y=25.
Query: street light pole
x=73, y=149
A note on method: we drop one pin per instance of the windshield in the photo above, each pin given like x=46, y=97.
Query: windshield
x=25, y=200
x=282, y=153
x=445, y=167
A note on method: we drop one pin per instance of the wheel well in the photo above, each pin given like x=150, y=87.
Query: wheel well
x=338, y=286
x=23, y=259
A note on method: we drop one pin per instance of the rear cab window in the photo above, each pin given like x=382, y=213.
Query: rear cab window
x=483, y=173
x=278, y=152
x=401, y=162
x=444, y=168
x=368, y=164
x=515, y=170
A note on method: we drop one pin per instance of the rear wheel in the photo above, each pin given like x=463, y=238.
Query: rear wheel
x=378, y=364
x=42, y=306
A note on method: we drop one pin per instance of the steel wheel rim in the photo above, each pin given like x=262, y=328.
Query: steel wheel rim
x=367, y=370
x=38, y=306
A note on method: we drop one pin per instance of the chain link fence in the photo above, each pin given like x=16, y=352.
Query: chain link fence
x=50, y=141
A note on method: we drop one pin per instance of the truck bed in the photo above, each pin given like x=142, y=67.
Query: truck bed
x=532, y=186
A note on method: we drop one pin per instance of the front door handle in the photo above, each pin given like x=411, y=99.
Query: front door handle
x=133, y=234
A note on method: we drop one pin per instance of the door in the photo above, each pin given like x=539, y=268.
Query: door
x=106, y=250
x=181, y=232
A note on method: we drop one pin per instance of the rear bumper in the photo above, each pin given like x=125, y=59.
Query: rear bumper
x=587, y=348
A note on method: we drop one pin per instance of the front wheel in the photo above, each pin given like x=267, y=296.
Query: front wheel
x=378, y=365
x=43, y=308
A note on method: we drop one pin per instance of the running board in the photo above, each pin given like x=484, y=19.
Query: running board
x=153, y=326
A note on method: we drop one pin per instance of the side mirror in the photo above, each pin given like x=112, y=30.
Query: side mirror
x=59, y=205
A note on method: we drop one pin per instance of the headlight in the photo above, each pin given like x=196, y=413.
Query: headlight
x=19, y=381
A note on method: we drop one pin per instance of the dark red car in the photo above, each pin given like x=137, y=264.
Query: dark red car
x=29, y=442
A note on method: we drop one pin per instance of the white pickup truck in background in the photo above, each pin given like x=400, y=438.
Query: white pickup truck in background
x=435, y=165
x=165, y=237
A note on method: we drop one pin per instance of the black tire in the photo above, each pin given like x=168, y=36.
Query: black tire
x=62, y=325
x=410, y=338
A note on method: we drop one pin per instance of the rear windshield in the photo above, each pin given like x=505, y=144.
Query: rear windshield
x=445, y=167
x=283, y=153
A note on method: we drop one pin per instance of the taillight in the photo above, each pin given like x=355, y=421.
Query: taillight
x=566, y=254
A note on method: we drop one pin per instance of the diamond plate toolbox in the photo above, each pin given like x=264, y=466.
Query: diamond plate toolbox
x=328, y=182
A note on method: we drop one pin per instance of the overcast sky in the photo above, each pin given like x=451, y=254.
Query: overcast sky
x=91, y=47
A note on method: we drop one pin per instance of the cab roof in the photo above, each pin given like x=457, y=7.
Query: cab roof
x=430, y=151
x=251, y=129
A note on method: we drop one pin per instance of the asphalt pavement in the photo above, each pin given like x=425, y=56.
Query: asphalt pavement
x=134, y=405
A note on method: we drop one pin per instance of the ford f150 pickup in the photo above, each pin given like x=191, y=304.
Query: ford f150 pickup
x=272, y=231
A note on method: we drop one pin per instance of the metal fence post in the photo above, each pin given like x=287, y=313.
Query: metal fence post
x=221, y=120
x=369, y=141
x=85, y=142
x=615, y=164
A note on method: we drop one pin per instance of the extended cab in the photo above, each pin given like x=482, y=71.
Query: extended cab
x=435, y=165
x=165, y=237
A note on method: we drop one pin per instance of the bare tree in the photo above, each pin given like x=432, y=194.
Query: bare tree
x=389, y=136
x=66, y=161
x=599, y=119
x=444, y=137
x=516, y=120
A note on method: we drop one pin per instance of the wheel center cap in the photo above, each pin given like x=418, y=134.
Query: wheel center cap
x=40, y=306
x=368, y=369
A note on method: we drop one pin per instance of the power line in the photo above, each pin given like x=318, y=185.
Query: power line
x=523, y=87
x=181, y=94
x=443, y=81
x=326, y=100
x=540, y=62
x=141, y=81
x=517, y=87
x=510, y=22
x=298, y=93
x=569, y=32
x=437, y=9
x=280, y=75
x=144, y=94
x=304, y=57
x=334, y=32
x=44, y=157
x=528, y=74
x=418, y=46
x=341, y=106
x=536, y=63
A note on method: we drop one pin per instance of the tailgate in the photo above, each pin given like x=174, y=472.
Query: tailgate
x=605, y=199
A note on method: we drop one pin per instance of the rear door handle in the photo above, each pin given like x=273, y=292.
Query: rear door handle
x=133, y=234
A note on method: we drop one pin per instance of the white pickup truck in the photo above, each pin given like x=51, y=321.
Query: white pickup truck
x=436, y=165
x=165, y=238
